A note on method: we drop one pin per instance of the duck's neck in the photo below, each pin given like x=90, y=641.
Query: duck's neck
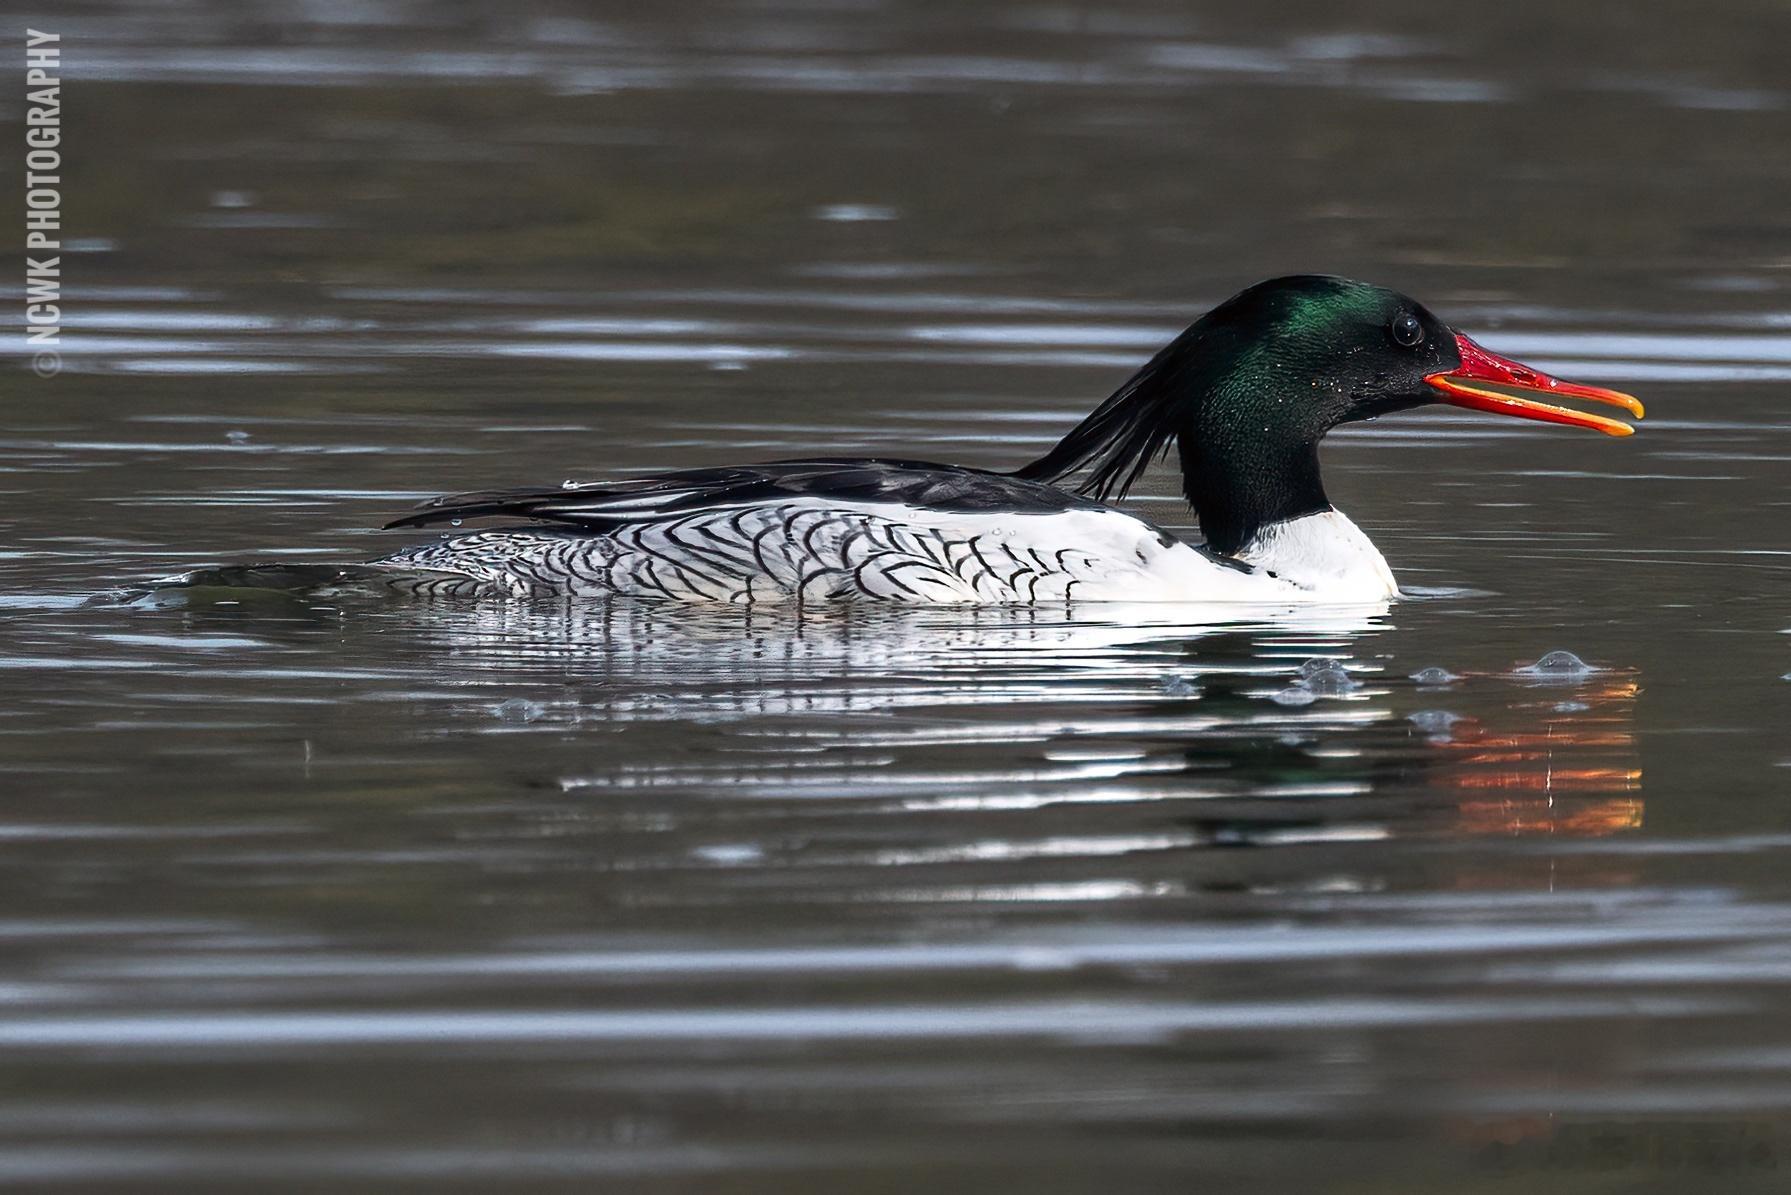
x=1240, y=483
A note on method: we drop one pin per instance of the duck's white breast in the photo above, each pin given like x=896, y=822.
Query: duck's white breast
x=1325, y=555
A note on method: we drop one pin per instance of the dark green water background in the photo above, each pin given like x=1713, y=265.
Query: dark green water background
x=301, y=894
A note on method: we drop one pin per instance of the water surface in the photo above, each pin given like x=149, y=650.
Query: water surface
x=301, y=890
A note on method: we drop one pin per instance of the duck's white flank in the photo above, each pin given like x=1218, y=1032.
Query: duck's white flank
x=810, y=550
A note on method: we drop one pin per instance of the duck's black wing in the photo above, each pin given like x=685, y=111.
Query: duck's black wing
x=605, y=506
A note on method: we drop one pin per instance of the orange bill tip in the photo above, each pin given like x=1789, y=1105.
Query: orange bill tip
x=1477, y=364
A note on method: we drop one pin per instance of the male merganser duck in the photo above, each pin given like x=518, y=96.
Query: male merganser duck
x=1246, y=394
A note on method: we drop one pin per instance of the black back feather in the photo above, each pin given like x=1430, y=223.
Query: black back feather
x=673, y=495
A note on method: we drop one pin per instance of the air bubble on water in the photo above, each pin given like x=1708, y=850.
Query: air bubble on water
x=1181, y=686
x=1293, y=695
x=453, y=522
x=730, y=854
x=1332, y=684
x=518, y=709
x=1571, y=707
x=1435, y=676
x=854, y=213
x=1558, y=665
x=568, y=484
x=1433, y=721
x=237, y=436
x=1326, y=678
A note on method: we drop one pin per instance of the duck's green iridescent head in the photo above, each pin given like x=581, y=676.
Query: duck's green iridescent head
x=1251, y=388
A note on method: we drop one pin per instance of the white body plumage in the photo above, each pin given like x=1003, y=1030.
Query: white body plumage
x=813, y=550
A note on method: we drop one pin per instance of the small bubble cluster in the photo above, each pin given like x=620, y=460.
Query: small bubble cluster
x=1318, y=677
x=1327, y=678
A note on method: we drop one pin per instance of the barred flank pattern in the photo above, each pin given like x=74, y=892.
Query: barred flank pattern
x=758, y=553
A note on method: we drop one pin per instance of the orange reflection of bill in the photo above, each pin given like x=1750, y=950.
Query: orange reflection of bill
x=1542, y=815
x=1571, y=767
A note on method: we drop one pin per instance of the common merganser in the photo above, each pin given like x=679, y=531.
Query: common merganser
x=1246, y=393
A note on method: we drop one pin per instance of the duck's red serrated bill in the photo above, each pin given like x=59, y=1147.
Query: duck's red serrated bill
x=1481, y=366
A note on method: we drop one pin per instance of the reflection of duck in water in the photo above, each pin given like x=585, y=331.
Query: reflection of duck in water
x=1177, y=709
x=1246, y=394
x=1085, y=665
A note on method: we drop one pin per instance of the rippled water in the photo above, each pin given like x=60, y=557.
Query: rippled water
x=303, y=889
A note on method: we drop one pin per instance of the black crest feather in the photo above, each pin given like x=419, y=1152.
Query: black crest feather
x=1118, y=442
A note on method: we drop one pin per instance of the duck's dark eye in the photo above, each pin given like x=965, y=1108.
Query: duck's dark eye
x=1407, y=331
